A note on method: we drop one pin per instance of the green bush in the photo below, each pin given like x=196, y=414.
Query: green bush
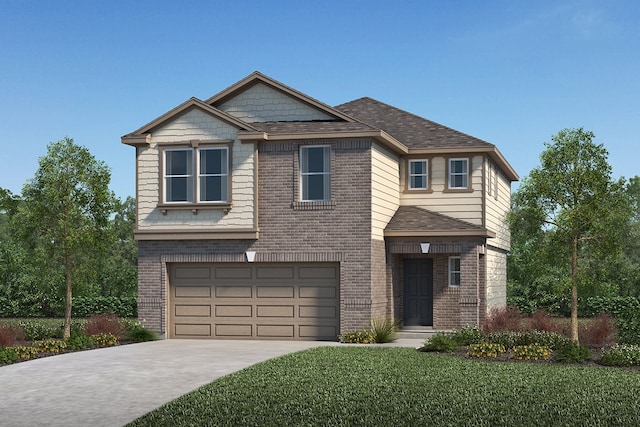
x=532, y=352
x=441, y=342
x=7, y=355
x=467, y=335
x=120, y=306
x=384, y=330
x=511, y=339
x=571, y=353
x=80, y=341
x=621, y=355
x=362, y=336
x=137, y=333
x=486, y=349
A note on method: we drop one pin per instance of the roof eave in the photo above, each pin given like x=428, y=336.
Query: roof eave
x=440, y=233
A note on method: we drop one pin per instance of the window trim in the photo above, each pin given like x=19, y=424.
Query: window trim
x=467, y=173
x=194, y=147
x=426, y=175
x=301, y=174
x=452, y=272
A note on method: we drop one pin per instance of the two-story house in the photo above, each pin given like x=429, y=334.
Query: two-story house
x=263, y=213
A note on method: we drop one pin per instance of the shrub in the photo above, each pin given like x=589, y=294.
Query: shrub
x=384, y=330
x=40, y=329
x=511, y=339
x=543, y=321
x=621, y=355
x=10, y=334
x=106, y=323
x=137, y=333
x=508, y=339
x=502, y=319
x=598, y=332
x=467, y=335
x=104, y=339
x=24, y=352
x=629, y=327
x=571, y=353
x=532, y=352
x=362, y=336
x=79, y=342
x=7, y=355
x=440, y=342
x=121, y=306
x=486, y=349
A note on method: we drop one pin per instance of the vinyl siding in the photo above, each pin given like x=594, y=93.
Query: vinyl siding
x=496, y=278
x=261, y=103
x=195, y=125
x=385, y=185
x=497, y=206
x=463, y=205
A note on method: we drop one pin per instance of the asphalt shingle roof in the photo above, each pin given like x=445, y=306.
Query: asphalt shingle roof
x=411, y=130
x=413, y=218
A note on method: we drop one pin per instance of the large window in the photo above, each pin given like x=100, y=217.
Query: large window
x=315, y=173
x=454, y=271
x=458, y=173
x=418, y=174
x=196, y=175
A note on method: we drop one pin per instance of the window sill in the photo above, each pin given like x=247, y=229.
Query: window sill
x=194, y=207
x=328, y=205
x=458, y=190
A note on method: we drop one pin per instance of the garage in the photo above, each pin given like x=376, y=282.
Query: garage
x=254, y=301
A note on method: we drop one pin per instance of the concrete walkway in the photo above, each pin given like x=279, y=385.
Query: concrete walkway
x=113, y=386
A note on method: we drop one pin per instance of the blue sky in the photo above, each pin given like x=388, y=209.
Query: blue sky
x=510, y=72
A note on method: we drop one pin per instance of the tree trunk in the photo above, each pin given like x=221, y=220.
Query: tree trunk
x=67, y=310
x=574, y=292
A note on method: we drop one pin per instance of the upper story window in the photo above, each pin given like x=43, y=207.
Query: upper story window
x=418, y=174
x=458, y=173
x=196, y=175
x=455, y=273
x=315, y=173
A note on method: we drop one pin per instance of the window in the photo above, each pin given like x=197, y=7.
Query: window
x=315, y=173
x=454, y=271
x=418, y=174
x=212, y=173
x=458, y=173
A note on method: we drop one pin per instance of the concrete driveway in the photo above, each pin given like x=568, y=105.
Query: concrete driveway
x=113, y=386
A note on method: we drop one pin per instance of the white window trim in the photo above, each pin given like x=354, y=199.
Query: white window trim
x=451, y=272
x=451, y=173
x=301, y=173
x=195, y=176
x=426, y=174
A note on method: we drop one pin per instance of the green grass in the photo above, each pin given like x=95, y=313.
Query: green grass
x=402, y=387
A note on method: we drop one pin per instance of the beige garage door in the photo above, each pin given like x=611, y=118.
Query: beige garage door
x=254, y=301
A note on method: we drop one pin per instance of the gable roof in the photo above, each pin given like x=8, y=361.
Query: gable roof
x=257, y=77
x=421, y=136
x=140, y=136
x=412, y=221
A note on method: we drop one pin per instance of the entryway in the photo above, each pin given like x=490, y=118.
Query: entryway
x=418, y=292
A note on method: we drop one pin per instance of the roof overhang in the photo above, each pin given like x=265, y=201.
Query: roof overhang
x=440, y=233
x=378, y=135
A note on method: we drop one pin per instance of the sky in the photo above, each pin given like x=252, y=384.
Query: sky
x=510, y=72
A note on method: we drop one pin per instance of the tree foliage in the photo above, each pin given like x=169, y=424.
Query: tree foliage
x=568, y=213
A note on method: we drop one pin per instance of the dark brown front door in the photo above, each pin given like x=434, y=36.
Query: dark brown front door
x=418, y=292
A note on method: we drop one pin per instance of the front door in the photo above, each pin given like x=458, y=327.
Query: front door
x=418, y=292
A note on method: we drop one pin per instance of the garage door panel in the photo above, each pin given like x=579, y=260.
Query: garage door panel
x=318, y=312
x=233, y=291
x=193, y=291
x=192, y=330
x=192, y=310
x=274, y=272
x=234, y=311
x=318, y=292
x=237, y=330
x=287, y=301
x=275, y=292
x=276, y=311
x=233, y=273
x=273, y=331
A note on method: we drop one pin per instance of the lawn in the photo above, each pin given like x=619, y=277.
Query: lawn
x=403, y=387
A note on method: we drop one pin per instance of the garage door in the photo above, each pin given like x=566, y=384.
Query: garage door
x=254, y=301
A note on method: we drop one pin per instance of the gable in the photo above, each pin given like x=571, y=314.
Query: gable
x=261, y=103
x=194, y=124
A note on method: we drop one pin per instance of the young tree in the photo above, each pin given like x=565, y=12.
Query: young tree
x=67, y=206
x=571, y=194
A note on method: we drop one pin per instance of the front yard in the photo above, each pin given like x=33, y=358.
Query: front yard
x=404, y=387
